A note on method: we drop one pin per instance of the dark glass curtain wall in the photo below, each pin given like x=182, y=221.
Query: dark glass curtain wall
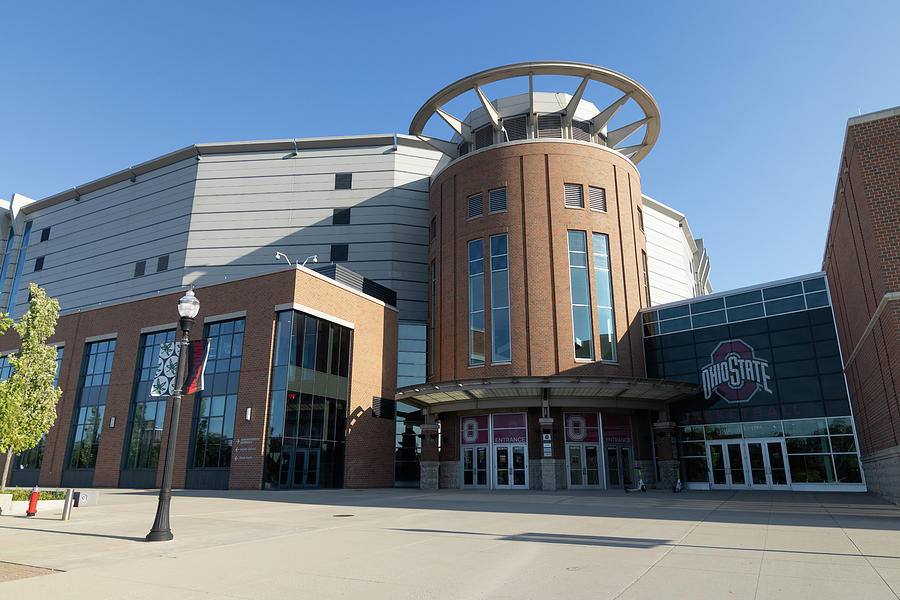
x=310, y=388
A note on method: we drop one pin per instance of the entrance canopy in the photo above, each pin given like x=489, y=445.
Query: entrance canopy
x=517, y=392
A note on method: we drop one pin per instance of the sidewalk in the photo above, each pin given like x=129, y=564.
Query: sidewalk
x=461, y=544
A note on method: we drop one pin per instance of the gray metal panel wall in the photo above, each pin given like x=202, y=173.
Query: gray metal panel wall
x=94, y=242
x=249, y=205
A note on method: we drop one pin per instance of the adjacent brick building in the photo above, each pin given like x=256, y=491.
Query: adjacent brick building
x=862, y=259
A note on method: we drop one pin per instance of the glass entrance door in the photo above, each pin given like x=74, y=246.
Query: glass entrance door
x=510, y=467
x=475, y=466
x=727, y=465
x=299, y=468
x=619, y=466
x=767, y=466
x=583, y=465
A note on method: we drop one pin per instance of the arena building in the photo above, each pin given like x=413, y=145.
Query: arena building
x=481, y=319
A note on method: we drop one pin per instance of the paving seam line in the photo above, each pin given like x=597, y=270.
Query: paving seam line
x=869, y=562
x=676, y=544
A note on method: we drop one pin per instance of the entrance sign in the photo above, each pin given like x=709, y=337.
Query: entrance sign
x=735, y=373
x=617, y=429
x=510, y=428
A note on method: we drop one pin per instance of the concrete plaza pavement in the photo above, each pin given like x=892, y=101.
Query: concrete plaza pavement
x=460, y=544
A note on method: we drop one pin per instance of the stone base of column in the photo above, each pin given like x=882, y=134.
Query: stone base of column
x=668, y=473
x=549, y=468
x=429, y=476
x=449, y=475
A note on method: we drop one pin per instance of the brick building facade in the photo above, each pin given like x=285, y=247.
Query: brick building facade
x=862, y=259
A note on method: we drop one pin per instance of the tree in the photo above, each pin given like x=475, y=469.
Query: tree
x=29, y=395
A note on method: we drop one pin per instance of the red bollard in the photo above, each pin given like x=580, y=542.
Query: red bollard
x=32, y=502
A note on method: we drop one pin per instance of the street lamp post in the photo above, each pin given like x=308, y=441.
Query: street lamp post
x=188, y=307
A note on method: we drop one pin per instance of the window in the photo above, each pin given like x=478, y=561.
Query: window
x=475, y=206
x=640, y=219
x=433, y=228
x=606, y=316
x=646, y=277
x=476, y=302
x=597, y=198
x=6, y=256
x=45, y=234
x=574, y=193
x=308, y=403
x=90, y=405
x=213, y=423
x=39, y=263
x=497, y=200
x=145, y=426
x=162, y=263
x=581, y=296
x=431, y=299
x=500, y=336
x=343, y=181
x=20, y=266
x=339, y=252
x=341, y=216
x=139, y=268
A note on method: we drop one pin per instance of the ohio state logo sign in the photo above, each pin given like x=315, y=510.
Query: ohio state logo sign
x=735, y=373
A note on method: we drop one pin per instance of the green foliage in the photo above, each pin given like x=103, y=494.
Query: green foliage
x=19, y=494
x=28, y=397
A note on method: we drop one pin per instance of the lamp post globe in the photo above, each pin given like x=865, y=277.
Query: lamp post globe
x=188, y=308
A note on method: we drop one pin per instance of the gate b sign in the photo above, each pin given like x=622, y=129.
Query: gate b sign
x=735, y=373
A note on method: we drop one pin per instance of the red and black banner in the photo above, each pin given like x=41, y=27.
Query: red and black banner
x=198, y=352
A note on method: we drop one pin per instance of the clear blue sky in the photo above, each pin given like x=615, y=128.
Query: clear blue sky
x=754, y=96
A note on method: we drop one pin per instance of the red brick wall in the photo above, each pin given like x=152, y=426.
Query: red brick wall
x=862, y=259
x=536, y=221
x=369, y=452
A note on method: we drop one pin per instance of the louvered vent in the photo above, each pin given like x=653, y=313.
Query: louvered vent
x=516, y=128
x=574, y=195
x=383, y=408
x=549, y=126
x=497, y=200
x=581, y=130
x=475, y=206
x=484, y=137
x=597, y=198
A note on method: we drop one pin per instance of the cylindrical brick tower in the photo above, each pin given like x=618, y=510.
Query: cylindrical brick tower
x=537, y=276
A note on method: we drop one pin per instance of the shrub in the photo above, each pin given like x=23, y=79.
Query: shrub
x=25, y=494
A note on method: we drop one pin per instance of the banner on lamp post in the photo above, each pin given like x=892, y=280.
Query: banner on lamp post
x=164, y=382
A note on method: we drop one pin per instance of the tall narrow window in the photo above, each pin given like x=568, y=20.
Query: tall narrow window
x=606, y=318
x=581, y=296
x=500, y=344
x=6, y=256
x=90, y=404
x=476, y=302
x=646, y=277
x=147, y=412
x=162, y=263
x=215, y=406
x=431, y=298
x=45, y=234
x=640, y=219
x=20, y=265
